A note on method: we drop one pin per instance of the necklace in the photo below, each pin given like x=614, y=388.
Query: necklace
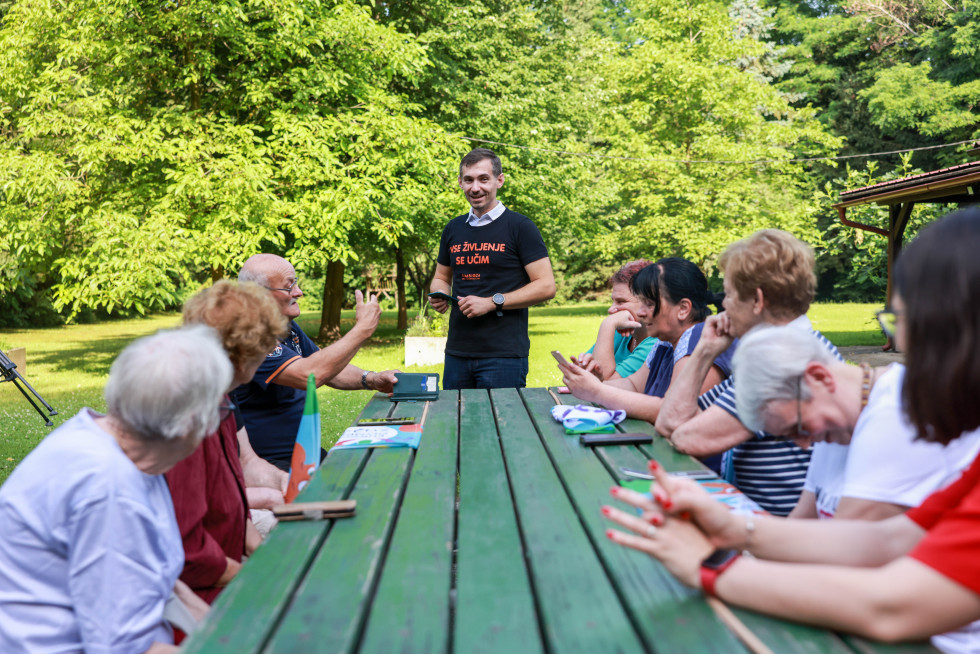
x=865, y=384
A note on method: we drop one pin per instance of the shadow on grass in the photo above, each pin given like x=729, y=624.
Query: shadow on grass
x=93, y=357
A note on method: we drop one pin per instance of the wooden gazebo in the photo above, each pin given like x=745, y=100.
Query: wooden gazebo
x=954, y=185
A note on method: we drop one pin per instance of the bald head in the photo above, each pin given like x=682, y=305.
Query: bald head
x=258, y=267
x=278, y=275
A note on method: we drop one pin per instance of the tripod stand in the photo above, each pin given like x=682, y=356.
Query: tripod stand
x=9, y=373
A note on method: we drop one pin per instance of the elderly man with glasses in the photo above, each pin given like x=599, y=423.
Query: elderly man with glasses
x=272, y=403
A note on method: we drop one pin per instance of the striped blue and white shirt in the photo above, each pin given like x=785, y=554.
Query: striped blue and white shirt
x=768, y=469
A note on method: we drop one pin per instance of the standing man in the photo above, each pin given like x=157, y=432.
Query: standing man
x=494, y=261
x=272, y=403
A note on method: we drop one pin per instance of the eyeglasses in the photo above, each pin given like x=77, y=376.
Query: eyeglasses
x=225, y=409
x=800, y=432
x=888, y=320
x=288, y=289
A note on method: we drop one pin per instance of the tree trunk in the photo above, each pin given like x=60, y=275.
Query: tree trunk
x=333, y=299
x=400, y=288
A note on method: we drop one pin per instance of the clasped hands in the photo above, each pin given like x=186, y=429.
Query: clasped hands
x=679, y=526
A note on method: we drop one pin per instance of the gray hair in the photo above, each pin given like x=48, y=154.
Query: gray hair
x=768, y=366
x=170, y=385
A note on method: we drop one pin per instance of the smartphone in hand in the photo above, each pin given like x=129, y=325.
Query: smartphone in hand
x=444, y=296
x=559, y=358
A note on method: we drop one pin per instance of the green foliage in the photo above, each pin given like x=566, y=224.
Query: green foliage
x=677, y=94
x=146, y=148
x=429, y=324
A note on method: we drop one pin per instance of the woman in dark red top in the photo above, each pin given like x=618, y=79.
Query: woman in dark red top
x=208, y=487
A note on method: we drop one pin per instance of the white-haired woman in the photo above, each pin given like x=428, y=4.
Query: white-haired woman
x=90, y=551
x=868, y=463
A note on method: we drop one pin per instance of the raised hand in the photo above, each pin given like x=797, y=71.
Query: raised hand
x=367, y=313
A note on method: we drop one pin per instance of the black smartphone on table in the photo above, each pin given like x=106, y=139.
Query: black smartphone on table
x=633, y=438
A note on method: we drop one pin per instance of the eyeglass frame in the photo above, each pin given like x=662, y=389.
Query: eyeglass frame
x=800, y=432
x=882, y=317
x=288, y=289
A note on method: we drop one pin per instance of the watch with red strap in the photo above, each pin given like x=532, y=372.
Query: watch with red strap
x=713, y=566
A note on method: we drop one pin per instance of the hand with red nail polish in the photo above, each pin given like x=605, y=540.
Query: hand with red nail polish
x=687, y=501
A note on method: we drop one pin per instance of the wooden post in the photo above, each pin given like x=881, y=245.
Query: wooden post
x=898, y=220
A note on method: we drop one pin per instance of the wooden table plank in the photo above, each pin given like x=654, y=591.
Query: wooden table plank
x=247, y=611
x=330, y=606
x=669, y=616
x=411, y=609
x=495, y=609
x=578, y=608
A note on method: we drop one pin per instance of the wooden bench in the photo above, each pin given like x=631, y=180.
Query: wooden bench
x=488, y=538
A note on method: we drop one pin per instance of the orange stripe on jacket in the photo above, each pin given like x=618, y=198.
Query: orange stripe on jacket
x=278, y=370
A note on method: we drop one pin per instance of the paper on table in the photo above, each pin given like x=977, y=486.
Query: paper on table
x=360, y=437
x=720, y=490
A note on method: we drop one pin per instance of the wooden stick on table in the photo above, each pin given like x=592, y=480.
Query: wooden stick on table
x=737, y=627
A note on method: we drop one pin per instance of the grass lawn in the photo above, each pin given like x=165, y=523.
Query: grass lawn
x=69, y=365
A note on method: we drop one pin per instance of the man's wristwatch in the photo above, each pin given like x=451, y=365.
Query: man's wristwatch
x=713, y=566
x=364, y=384
x=498, y=299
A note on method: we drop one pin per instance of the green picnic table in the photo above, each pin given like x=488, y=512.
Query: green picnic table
x=487, y=538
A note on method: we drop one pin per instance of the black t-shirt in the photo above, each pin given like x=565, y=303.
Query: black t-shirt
x=487, y=260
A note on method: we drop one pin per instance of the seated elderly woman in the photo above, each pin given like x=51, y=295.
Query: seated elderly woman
x=788, y=379
x=90, y=551
x=622, y=344
x=911, y=576
x=209, y=487
x=674, y=303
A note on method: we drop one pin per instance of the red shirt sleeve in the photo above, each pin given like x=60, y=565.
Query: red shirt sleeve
x=951, y=517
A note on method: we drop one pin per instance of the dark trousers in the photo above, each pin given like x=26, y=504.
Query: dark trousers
x=460, y=372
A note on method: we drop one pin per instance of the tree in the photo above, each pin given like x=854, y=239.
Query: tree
x=682, y=106
x=146, y=148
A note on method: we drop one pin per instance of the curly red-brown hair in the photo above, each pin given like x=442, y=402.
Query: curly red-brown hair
x=245, y=315
x=776, y=262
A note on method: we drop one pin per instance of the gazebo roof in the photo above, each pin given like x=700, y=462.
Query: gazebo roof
x=960, y=184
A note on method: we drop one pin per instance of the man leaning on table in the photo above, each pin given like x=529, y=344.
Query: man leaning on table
x=494, y=261
x=272, y=403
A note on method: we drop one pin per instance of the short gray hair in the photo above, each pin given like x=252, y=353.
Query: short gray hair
x=768, y=365
x=170, y=385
